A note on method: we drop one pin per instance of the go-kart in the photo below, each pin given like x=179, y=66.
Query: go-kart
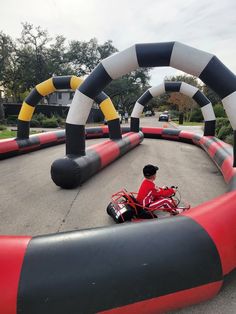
x=124, y=206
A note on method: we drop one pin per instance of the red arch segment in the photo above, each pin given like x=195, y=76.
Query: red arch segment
x=11, y=258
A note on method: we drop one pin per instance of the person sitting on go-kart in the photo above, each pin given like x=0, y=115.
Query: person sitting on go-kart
x=152, y=196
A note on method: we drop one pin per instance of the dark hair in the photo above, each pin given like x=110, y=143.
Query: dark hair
x=149, y=170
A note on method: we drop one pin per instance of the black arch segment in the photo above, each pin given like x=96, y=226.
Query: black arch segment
x=75, y=140
x=171, y=132
x=220, y=156
x=172, y=86
x=232, y=184
x=154, y=54
x=219, y=78
x=134, y=124
x=144, y=99
x=100, y=98
x=33, y=98
x=32, y=141
x=209, y=128
x=95, y=82
x=114, y=129
x=61, y=82
x=201, y=99
x=23, y=129
x=71, y=269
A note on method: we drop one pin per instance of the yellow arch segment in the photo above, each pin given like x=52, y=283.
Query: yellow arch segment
x=75, y=82
x=45, y=88
x=108, y=110
x=26, y=112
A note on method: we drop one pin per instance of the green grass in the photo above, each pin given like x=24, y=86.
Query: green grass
x=189, y=123
x=9, y=134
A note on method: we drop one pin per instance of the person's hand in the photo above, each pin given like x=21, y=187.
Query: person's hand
x=165, y=187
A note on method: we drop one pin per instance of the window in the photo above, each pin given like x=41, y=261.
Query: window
x=59, y=95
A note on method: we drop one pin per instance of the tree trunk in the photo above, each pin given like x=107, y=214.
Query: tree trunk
x=181, y=117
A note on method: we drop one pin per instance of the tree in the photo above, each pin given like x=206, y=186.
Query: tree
x=184, y=103
x=125, y=91
x=211, y=95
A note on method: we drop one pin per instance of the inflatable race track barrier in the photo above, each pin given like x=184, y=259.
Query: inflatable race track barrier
x=71, y=172
x=148, y=267
x=57, y=83
x=184, y=88
x=142, y=268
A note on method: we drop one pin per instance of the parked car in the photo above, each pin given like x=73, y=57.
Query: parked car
x=164, y=117
x=148, y=113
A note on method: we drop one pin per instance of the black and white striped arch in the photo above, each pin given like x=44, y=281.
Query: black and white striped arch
x=184, y=88
x=193, y=61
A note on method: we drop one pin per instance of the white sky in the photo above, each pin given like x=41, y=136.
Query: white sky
x=208, y=25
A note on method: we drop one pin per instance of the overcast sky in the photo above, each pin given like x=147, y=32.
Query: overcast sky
x=203, y=24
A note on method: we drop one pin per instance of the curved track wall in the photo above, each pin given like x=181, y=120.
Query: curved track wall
x=184, y=88
x=193, y=252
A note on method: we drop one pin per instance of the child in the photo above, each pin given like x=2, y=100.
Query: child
x=152, y=196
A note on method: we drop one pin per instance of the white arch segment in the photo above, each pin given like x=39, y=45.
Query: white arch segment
x=157, y=90
x=79, y=109
x=121, y=63
x=188, y=90
x=137, y=111
x=229, y=105
x=188, y=59
x=208, y=112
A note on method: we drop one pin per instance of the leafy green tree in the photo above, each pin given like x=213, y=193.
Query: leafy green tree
x=211, y=95
x=219, y=111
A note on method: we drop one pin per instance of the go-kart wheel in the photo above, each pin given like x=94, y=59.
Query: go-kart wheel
x=109, y=208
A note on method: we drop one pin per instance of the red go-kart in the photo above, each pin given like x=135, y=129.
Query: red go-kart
x=124, y=206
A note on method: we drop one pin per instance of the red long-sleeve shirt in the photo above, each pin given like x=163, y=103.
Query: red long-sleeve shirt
x=149, y=189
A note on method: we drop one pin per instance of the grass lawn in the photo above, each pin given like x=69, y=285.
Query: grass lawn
x=9, y=133
x=190, y=123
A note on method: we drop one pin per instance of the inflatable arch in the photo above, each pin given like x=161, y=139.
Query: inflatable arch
x=64, y=82
x=25, y=143
x=193, y=61
x=184, y=88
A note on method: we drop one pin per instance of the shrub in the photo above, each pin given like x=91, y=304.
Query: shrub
x=12, y=119
x=219, y=111
x=2, y=127
x=225, y=131
x=39, y=117
x=35, y=123
x=220, y=122
x=196, y=115
x=230, y=139
x=50, y=123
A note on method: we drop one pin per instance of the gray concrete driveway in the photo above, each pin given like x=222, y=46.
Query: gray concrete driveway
x=31, y=204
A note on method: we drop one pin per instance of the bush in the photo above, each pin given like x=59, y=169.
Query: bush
x=50, y=123
x=12, y=119
x=225, y=131
x=220, y=122
x=2, y=127
x=229, y=139
x=39, y=117
x=196, y=115
x=35, y=123
x=219, y=111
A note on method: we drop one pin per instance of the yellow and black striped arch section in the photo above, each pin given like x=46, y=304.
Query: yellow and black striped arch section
x=108, y=109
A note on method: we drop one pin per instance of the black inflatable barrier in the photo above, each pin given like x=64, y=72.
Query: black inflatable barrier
x=71, y=172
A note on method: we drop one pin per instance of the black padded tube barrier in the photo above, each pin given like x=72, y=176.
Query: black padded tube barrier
x=70, y=171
